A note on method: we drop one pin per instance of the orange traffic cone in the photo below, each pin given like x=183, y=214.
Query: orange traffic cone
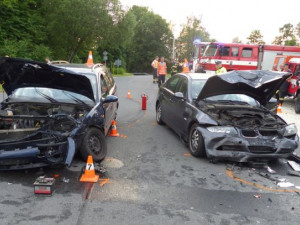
x=113, y=130
x=90, y=61
x=279, y=108
x=128, y=94
x=89, y=173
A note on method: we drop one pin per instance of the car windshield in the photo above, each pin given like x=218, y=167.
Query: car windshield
x=197, y=86
x=50, y=94
x=211, y=50
x=234, y=98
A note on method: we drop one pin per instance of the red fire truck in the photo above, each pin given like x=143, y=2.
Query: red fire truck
x=236, y=56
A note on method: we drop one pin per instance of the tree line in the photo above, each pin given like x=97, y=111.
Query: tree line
x=68, y=29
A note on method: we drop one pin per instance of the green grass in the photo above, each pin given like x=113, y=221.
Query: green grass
x=123, y=75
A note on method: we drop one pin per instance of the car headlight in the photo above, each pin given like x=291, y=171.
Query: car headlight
x=290, y=130
x=224, y=130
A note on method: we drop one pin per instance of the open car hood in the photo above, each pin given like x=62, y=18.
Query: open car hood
x=258, y=84
x=16, y=73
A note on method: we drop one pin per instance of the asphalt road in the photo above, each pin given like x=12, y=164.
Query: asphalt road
x=152, y=180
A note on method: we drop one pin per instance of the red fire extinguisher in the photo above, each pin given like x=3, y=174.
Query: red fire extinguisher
x=144, y=101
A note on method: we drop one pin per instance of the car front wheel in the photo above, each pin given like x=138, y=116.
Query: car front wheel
x=196, y=142
x=94, y=144
x=158, y=114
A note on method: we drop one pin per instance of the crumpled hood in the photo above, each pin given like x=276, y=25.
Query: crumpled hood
x=258, y=84
x=16, y=73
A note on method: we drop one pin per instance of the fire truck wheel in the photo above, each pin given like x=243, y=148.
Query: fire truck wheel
x=297, y=104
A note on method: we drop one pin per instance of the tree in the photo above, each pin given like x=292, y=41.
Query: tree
x=236, y=40
x=191, y=30
x=76, y=26
x=152, y=37
x=287, y=36
x=255, y=37
x=22, y=29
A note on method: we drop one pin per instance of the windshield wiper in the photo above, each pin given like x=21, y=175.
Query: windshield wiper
x=50, y=99
x=75, y=98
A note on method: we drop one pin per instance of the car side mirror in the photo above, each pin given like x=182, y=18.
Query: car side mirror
x=179, y=95
x=110, y=98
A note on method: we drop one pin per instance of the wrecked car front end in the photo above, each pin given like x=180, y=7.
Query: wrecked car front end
x=36, y=135
x=247, y=134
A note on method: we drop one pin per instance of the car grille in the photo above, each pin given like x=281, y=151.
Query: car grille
x=261, y=149
x=253, y=133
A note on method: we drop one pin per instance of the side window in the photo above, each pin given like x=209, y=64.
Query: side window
x=172, y=83
x=235, y=51
x=182, y=87
x=224, y=51
x=104, y=88
x=247, y=52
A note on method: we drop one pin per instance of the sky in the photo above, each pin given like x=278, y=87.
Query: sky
x=227, y=19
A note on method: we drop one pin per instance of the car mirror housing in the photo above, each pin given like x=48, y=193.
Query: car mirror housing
x=110, y=98
x=179, y=95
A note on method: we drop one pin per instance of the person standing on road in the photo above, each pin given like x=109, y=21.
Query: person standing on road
x=185, y=66
x=154, y=65
x=48, y=60
x=220, y=69
x=161, y=71
x=174, y=68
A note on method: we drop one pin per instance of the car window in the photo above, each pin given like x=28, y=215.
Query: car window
x=104, y=87
x=182, y=86
x=196, y=87
x=172, y=83
x=235, y=51
x=224, y=51
x=247, y=52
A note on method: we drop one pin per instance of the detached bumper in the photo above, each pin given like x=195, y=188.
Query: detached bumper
x=38, y=156
x=242, y=149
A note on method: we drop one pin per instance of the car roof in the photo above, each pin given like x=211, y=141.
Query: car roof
x=82, y=68
x=197, y=76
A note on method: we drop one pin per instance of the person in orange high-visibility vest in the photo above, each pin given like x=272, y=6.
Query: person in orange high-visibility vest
x=161, y=71
x=185, y=66
x=154, y=65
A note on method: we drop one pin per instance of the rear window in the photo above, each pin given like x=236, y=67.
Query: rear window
x=247, y=52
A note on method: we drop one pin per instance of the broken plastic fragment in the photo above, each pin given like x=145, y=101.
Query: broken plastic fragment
x=285, y=184
x=257, y=196
x=294, y=165
x=65, y=180
x=270, y=170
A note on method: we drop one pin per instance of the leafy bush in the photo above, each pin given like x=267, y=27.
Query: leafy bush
x=119, y=70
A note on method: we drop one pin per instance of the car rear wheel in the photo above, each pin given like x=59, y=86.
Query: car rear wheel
x=94, y=144
x=158, y=114
x=297, y=104
x=196, y=142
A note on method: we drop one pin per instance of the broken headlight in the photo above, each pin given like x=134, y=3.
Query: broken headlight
x=223, y=130
x=290, y=130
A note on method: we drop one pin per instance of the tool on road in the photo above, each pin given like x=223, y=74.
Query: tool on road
x=44, y=186
x=113, y=130
x=128, y=94
x=90, y=61
x=144, y=101
x=279, y=108
x=89, y=173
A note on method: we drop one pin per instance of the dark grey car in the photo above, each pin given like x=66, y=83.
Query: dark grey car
x=225, y=116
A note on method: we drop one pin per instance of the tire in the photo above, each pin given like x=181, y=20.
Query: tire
x=196, y=142
x=158, y=114
x=297, y=104
x=94, y=144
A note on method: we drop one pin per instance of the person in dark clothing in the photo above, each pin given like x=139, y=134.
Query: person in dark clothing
x=174, y=68
x=283, y=90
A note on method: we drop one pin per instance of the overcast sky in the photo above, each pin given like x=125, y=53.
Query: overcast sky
x=226, y=19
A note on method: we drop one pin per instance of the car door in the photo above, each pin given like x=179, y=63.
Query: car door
x=166, y=93
x=178, y=106
x=107, y=107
